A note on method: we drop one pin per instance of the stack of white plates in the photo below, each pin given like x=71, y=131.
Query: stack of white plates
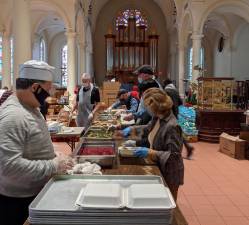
x=103, y=200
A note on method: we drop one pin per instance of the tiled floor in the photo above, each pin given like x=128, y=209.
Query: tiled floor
x=216, y=189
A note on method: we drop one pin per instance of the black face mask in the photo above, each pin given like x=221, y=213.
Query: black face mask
x=85, y=89
x=41, y=95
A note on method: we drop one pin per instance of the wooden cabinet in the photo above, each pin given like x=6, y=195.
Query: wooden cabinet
x=211, y=123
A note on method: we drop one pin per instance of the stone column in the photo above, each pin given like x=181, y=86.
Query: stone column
x=82, y=60
x=196, y=40
x=181, y=69
x=22, y=34
x=89, y=63
x=71, y=62
x=6, y=79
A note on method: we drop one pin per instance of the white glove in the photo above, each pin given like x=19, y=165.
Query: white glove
x=90, y=117
x=63, y=163
x=130, y=143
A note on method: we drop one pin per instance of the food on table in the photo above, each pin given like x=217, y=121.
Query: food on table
x=99, y=133
x=96, y=150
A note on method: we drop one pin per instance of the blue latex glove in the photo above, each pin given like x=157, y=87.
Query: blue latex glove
x=126, y=131
x=141, y=152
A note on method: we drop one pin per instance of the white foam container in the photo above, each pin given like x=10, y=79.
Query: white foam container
x=99, y=195
x=136, y=196
x=155, y=196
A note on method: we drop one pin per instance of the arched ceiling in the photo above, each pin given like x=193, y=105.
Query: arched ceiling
x=51, y=23
x=5, y=15
x=46, y=18
x=223, y=21
x=231, y=12
x=167, y=7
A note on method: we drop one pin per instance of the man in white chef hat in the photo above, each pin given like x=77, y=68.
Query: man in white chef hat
x=27, y=157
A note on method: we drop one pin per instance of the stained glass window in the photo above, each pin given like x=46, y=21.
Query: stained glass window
x=190, y=62
x=12, y=59
x=42, y=50
x=122, y=18
x=64, y=66
x=1, y=57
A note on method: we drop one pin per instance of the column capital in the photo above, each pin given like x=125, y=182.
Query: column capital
x=70, y=34
x=197, y=36
x=82, y=44
x=5, y=36
x=181, y=47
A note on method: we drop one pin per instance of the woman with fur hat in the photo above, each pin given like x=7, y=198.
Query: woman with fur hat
x=165, y=139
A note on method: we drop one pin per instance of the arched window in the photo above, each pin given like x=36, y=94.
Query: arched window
x=124, y=16
x=1, y=58
x=42, y=50
x=190, y=61
x=12, y=60
x=64, y=66
x=130, y=46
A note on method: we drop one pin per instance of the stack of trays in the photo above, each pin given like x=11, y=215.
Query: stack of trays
x=112, y=200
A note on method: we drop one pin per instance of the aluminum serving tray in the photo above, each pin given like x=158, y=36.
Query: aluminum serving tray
x=61, y=192
x=102, y=160
x=95, y=138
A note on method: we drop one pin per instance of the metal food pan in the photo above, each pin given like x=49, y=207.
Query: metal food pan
x=102, y=160
x=95, y=138
x=94, y=142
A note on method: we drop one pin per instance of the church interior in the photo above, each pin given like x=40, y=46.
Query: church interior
x=200, y=46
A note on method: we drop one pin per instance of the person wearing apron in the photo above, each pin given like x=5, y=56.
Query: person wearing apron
x=84, y=107
x=87, y=98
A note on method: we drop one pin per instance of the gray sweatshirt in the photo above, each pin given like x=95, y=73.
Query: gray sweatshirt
x=26, y=150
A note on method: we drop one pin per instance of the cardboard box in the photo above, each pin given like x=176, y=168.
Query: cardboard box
x=232, y=146
x=244, y=135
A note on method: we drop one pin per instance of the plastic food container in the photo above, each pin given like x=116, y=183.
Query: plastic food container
x=126, y=151
x=149, y=196
x=98, y=195
x=135, y=196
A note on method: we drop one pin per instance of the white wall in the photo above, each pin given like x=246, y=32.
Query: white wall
x=233, y=63
x=222, y=60
x=240, y=56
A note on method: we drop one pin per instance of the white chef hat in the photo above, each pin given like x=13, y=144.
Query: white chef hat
x=36, y=70
x=86, y=76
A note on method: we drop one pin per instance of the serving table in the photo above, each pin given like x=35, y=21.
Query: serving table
x=69, y=137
